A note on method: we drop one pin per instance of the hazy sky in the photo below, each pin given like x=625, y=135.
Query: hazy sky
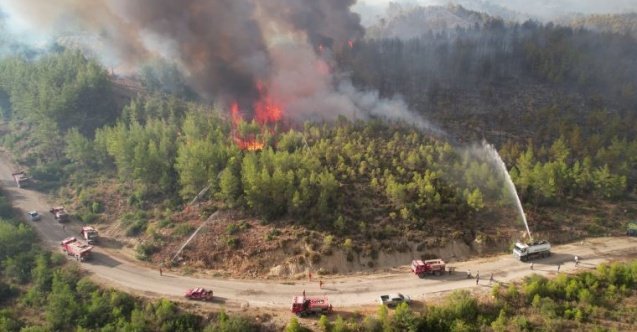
x=540, y=9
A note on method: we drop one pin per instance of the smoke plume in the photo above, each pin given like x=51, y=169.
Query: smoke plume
x=229, y=50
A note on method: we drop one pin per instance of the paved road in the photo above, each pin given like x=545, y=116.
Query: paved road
x=344, y=291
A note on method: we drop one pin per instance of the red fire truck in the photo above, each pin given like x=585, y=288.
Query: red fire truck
x=305, y=306
x=78, y=249
x=431, y=266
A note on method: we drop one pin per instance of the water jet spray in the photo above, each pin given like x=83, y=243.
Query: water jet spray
x=495, y=156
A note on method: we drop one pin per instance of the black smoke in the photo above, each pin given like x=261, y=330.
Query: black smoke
x=220, y=45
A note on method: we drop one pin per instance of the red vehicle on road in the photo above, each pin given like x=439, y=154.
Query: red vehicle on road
x=304, y=306
x=431, y=266
x=199, y=294
x=78, y=249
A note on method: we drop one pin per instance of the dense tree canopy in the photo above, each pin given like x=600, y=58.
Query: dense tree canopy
x=346, y=176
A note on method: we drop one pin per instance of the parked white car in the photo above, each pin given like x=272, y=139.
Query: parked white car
x=33, y=215
x=393, y=300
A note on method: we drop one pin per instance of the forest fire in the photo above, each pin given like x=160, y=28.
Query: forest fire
x=265, y=110
x=266, y=114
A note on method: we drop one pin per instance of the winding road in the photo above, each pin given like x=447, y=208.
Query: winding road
x=108, y=266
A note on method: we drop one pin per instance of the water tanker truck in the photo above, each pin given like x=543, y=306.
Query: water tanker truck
x=305, y=306
x=78, y=249
x=533, y=250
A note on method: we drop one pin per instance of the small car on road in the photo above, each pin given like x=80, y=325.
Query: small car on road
x=393, y=300
x=201, y=294
x=33, y=215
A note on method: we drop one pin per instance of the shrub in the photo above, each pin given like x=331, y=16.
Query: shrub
x=328, y=240
x=145, y=249
x=88, y=217
x=522, y=323
x=165, y=223
x=347, y=245
x=463, y=305
x=233, y=242
x=294, y=326
x=97, y=207
x=272, y=234
x=182, y=230
x=232, y=229
x=7, y=291
x=324, y=324
x=495, y=291
x=372, y=324
x=57, y=259
x=136, y=228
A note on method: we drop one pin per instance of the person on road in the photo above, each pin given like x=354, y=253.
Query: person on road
x=558, y=267
x=468, y=274
x=576, y=260
x=531, y=266
x=161, y=271
x=491, y=279
x=477, y=279
x=321, y=284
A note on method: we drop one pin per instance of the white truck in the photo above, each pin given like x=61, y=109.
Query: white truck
x=89, y=234
x=393, y=300
x=533, y=250
x=21, y=179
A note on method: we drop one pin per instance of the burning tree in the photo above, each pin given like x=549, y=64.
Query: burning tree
x=251, y=135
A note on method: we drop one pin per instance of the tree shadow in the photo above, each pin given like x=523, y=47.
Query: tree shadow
x=110, y=243
x=102, y=259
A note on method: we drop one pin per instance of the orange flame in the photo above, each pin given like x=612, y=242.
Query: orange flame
x=248, y=144
x=266, y=112
x=236, y=115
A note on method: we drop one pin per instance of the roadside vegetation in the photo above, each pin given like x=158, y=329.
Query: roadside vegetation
x=604, y=299
x=42, y=291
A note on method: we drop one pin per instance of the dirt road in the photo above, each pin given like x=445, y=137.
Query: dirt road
x=346, y=291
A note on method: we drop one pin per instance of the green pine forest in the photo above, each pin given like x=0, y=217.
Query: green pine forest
x=345, y=178
x=64, y=124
